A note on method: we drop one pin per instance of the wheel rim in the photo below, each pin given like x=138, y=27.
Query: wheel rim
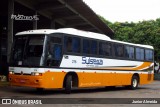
x=134, y=82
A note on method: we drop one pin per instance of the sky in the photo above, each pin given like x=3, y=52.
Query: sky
x=126, y=10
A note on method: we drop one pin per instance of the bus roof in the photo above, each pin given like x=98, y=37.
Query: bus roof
x=71, y=31
x=76, y=32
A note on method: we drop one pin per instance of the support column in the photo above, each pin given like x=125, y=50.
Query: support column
x=35, y=22
x=10, y=27
x=53, y=24
x=0, y=45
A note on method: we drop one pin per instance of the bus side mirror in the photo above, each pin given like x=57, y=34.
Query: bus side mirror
x=156, y=68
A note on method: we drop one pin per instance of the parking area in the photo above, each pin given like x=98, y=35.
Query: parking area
x=144, y=91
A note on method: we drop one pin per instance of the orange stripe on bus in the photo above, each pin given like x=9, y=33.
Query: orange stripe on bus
x=142, y=66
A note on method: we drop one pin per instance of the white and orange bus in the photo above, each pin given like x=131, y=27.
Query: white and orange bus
x=67, y=58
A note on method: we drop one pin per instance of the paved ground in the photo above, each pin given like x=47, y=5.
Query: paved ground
x=146, y=91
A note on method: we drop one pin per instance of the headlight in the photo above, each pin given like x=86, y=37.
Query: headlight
x=36, y=73
x=11, y=72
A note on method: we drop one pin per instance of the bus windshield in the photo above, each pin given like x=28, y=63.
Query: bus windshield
x=27, y=50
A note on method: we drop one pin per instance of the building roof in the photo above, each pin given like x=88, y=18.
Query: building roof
x=69, y=13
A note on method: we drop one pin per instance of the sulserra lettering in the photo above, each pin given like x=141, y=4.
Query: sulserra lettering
x=88, y=60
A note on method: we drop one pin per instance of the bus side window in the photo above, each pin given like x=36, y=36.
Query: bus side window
x=149, y=55
x=101, y=48
x=76, y=47
x=86, y=46
x=139, y=54
x=129, y=52
x=68, y=44
x=105, y=49
x=108, y=49
x=118, y=50
x=94, y=47
x=54, y=52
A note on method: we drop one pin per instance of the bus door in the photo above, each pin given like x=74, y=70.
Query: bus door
x=54, y=50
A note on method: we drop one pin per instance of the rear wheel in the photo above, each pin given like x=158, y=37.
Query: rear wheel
x=68, y=84
x=134, y=83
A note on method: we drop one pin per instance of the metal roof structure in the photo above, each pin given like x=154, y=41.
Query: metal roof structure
x=69, y=13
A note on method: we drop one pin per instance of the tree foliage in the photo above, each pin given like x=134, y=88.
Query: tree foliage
x=143, y=32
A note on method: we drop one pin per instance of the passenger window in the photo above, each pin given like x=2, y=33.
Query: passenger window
x=149, y=55
x=129, y=52
x=108, y=49
x=119, y=52
x=76, y=47
x=94, y=47
x=72, y=44
x=68, y=44
x=139, y=54
x=86, y=46
x=105, y=49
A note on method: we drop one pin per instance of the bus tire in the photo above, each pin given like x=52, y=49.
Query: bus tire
x=134, y=82
x=39, y=89
x=68, y=84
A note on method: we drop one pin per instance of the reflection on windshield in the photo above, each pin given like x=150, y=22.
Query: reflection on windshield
x=18, y=48
x=35, y=47
x=28, y=50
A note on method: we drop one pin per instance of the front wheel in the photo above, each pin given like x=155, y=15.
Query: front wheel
x=68, y=84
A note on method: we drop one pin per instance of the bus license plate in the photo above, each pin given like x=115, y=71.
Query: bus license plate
x=22, y=81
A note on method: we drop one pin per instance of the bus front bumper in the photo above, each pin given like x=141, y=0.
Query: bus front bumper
x=26, y=81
